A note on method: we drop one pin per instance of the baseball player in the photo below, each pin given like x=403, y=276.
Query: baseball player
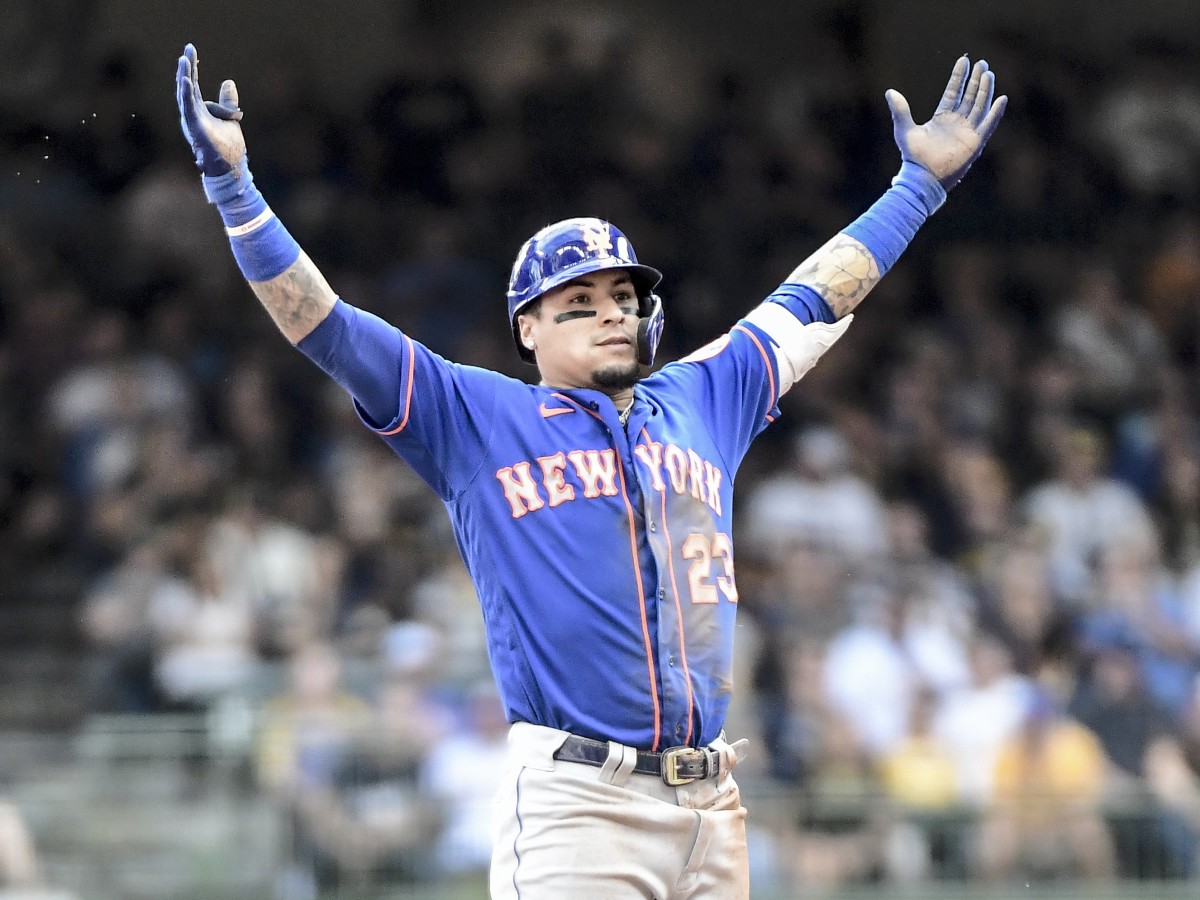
x=594, y=509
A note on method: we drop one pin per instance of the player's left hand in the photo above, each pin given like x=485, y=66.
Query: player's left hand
x=211, y=128
x=965, y=118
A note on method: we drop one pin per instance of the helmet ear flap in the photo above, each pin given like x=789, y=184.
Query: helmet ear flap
x=650, y=329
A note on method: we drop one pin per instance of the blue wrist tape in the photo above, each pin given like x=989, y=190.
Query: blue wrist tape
x=887, y=227
x=803, y=302
x=261, y=245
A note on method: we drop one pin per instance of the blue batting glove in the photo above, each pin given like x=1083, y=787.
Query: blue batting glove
x=212, y=129
x=963, y=122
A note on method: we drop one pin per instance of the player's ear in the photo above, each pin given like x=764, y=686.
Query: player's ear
x=525, y=328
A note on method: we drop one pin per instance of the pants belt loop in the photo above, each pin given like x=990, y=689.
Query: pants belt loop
x=728, y=754
x=619, y=765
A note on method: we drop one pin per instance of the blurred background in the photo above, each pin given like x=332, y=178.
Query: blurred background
x=239, y=654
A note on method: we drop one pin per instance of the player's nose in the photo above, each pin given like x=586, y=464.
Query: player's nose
x=611, y=311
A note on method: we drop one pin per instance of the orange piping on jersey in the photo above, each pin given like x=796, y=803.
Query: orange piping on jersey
x=412, y=358
x=642, y=610
x=591, y=412
x=687, y=674
x=766, y=359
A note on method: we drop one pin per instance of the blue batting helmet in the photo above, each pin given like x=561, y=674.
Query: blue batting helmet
x=568, y=249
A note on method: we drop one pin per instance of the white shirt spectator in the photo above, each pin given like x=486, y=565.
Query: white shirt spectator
x=462, y=772
x=976, y=719
x=205, y=636
x=287, y=573
x=871, y=682
x=818, y=501
x=1081, y=512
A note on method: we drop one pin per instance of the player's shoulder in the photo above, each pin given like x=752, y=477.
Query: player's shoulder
x=744, y=334
x=710, y=350
x=728, y=349
x=514, y=394
x=467, y=373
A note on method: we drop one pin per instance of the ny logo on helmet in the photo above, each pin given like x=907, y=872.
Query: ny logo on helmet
x=598, y=240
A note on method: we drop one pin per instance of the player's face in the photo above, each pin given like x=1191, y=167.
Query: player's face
x=585, y=333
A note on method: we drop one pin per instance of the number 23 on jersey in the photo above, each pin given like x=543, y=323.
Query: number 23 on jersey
x=711, y=568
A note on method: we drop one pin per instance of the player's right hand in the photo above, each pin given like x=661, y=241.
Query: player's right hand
x=963, y=122
x=211, y=128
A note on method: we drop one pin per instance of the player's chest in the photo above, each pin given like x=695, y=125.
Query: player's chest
x=574, y=462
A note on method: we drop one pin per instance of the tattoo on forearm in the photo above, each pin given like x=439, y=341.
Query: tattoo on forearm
x=298, y=300
x=843, y=272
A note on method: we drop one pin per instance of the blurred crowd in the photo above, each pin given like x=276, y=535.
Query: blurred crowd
x=969, y=552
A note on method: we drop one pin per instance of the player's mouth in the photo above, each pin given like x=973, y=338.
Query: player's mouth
x=618, y=340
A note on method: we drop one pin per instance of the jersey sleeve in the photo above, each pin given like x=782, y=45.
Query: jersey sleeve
x=738, y=374
x=734, y=379
x=435, y=414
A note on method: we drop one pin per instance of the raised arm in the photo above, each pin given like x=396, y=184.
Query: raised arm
x=812, y=309
x=934, y=157
x=285, y=280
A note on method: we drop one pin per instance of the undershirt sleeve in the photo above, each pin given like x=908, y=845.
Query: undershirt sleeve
x=362, y=353
x=803, y=302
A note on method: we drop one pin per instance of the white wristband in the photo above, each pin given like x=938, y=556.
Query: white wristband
x=257, y=222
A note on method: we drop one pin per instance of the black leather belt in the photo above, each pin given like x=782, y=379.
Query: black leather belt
x=675, y=765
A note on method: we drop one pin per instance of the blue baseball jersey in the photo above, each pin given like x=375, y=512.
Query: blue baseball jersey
x=602, y=555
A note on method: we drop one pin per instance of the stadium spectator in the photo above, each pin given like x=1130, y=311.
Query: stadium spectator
x=1018, y=605
x=1044, y=816
x=1081, y=511
x=818, y=501
x=205, y=637
x=1136, y=604
x=875, y=668
x=922, y=789
x=1110, y=340
x=1152, y=793
x=458, y=775
x=20, y=865
x=976, y=720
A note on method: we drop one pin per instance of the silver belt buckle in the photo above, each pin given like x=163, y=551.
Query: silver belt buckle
x=670, y=765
